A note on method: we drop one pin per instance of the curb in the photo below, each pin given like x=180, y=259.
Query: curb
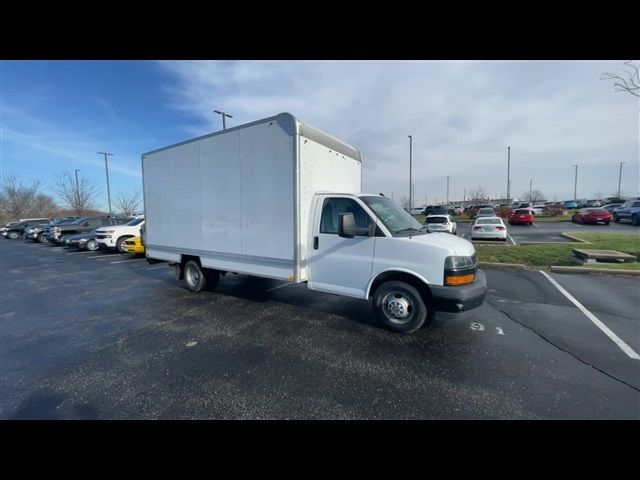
x=610, y=271
x=503, y=266
x=575, y=239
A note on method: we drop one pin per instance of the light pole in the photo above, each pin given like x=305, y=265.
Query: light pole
x=224, y=123
x=448, y=177
x=508, y=174
x=530, y=187
x=620, y=178
x=106, y=167
x=410, y=179
x=77, y=194
x=575, y=185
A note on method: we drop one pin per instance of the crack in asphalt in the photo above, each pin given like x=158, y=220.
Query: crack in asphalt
x=562, y=349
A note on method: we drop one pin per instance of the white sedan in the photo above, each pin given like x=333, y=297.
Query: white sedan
x=488, y=228
x=440, y=223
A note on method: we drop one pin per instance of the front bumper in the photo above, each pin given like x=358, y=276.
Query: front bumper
x=462, y=298
x=105, y=242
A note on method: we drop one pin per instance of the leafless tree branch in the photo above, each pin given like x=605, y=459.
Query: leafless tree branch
x=128, y=203
x=631, y=84
x=78, y=197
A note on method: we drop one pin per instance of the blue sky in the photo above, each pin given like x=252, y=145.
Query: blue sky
x=55, y=116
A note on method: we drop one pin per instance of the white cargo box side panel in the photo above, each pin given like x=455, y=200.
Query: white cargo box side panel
x=221, y=193
x=227, y=198
x=322, y=169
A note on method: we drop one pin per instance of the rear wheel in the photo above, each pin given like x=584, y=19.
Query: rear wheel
x=635, y=219
x=400, y=307
x=91, y=245
x=12, y=235
x=194, y=276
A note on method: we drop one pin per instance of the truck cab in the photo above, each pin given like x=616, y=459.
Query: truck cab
x=365, y=246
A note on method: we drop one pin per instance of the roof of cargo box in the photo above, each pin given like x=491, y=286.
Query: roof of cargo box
x=291, y=125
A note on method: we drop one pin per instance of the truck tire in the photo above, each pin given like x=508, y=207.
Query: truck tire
x=400, y=307
x=12, y=235
x=194, y=277
x=120, y=243
x=635, y=219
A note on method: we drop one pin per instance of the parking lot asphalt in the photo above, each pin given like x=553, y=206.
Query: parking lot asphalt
x=551, y=231
x=106, y=336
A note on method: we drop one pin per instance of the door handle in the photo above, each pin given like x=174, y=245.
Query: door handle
x=315, y=242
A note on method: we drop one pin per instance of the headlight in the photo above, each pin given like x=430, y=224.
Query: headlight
x=107, y=231
x=458, y=262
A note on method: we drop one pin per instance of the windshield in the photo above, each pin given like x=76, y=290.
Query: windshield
x=485, y=211
x=436, y=220
x=75, y=222
x=135, y=221
x=522, y=211
x=397, y=221
x=489, y=221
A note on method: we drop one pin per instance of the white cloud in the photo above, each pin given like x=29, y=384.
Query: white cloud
x=462, y=116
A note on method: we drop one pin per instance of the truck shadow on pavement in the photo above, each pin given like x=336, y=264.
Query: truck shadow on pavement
x=44, y=404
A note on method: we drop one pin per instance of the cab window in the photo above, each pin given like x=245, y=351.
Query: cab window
x=332, y=209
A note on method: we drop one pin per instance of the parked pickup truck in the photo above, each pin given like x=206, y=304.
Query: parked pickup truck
x=629, y=211
x=83, y=225
x=114, y=237
x=15, y=230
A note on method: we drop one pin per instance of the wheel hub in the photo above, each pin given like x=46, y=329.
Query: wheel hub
x=397, y=306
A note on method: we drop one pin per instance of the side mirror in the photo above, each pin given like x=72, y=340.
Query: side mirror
x=347, y=227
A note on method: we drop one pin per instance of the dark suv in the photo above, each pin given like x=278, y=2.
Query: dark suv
x=629, y=211
x=436, y=210
x=14, y=231
x=83, y=225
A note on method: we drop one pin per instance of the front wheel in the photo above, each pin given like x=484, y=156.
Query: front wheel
x=400, y=307
x=636, y=220
x=120, y=244
x=615, y=218
x=12, y=235
x=92, y=245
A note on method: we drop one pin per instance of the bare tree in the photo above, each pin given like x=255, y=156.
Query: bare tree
x=18, y=200
x=630, y=84
x=78, y=197
x=479, y=195
x=405, y=204
x=128, y=203
x=536, y=196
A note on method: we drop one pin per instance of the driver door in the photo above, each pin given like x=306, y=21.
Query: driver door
x=340, y=265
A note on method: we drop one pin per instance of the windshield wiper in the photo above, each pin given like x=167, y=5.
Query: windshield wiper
x=410, y=229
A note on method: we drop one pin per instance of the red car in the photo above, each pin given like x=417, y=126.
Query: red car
x=592, y=215
x=522, y=215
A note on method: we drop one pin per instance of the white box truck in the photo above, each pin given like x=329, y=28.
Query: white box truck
x=278, y=198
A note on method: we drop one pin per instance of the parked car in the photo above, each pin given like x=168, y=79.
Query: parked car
x=522, y=216
x=523, y=205
x=417, y=210
x=440, y=223
x=435, y=210
x=629, y=211
x=489, y=228
x=115, y=236
x=592, y=215
x=82, y=241
x=4, y=228
x=570, y=204
x=593, y=203
x=486, y=212
x=35, y=232
x=134, y=245
x=16, y=230
x=611, y=207
x=83, y=225
x=537, y=209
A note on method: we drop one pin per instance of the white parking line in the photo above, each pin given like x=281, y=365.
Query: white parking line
x=617, y=340
x=125, y=261
x=156, y=268
x=536, y=225
x=110, y=255
x=83, y=251
x=512, y=241
x=279, y=286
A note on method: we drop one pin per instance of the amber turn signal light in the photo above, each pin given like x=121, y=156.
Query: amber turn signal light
x=460, y=279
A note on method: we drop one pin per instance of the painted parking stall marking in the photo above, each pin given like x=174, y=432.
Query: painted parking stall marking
x=606, y=330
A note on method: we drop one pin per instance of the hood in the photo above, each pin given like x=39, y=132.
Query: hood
x=460, y=246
